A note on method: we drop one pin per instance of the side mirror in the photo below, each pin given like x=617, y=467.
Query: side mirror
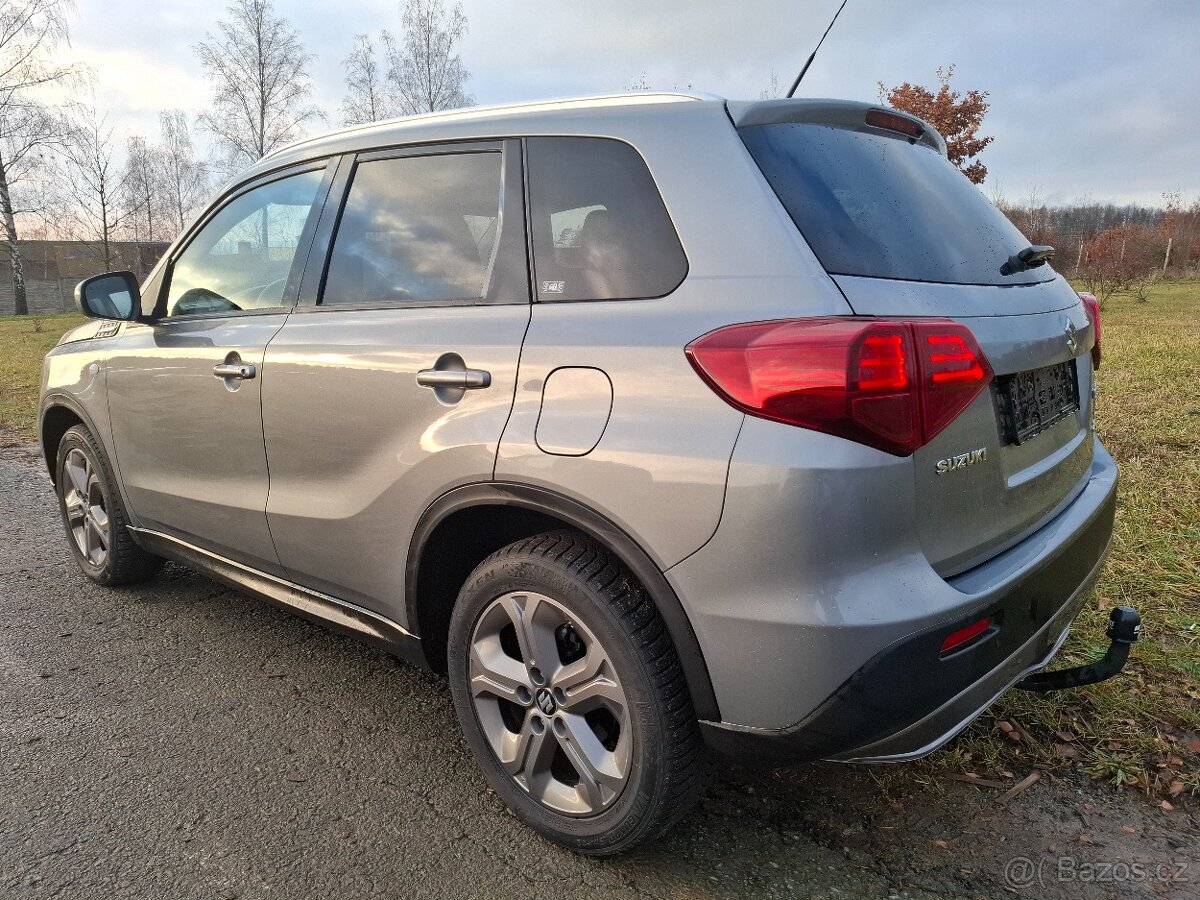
x=112, y=296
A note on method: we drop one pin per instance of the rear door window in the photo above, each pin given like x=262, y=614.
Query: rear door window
x=872, y=203
x=600, y=229
x=419, y=230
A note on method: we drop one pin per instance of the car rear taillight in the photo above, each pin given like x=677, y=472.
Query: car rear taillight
x=1092, y=305
x=888, y=384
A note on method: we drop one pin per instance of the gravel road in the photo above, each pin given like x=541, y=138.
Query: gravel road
x=180, y=740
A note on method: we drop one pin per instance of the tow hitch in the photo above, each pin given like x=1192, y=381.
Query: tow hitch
x=1124, y=626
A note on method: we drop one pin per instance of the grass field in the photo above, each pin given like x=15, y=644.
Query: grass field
x=21, y=350
x=1142, y=728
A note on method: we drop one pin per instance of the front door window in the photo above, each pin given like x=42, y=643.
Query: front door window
x=242, y=259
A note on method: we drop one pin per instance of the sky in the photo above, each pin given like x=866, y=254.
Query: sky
x=1090, y=101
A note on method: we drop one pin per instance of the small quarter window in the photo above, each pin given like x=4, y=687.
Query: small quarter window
x=600, y=230
x=418, y=229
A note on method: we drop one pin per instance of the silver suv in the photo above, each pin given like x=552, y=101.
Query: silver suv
x=662, y=424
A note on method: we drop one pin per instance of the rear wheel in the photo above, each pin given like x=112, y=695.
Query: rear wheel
x=571, y=695
x=94, y=516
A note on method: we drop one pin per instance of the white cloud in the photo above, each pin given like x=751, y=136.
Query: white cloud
x=1087, y=97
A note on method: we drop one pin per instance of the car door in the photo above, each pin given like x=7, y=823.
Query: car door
x=395, y=387
x=185, y=390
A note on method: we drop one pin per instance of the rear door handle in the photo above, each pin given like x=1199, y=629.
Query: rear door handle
x=240, y=371
x=463, y=379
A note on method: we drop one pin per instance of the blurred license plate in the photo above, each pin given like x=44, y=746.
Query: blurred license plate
x=1030, y=402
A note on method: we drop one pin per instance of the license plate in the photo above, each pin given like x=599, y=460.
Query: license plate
x=1031, y=402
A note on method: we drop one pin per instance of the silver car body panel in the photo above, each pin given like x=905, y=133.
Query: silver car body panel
x=358, y=449
x=190, y=447
x=74, y=377
x=795, y=555
x=817, y=567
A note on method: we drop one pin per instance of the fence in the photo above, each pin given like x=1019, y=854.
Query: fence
x=53, y=268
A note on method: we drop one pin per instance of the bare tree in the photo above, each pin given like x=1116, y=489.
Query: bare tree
x=87, y=198
x=639, y=84
x=772, y=91
x=426, y=71
x=369, y=95
x=163, y=183
x=30, y=33
x=261, y=91
x=183, y=179
x=1122, y=260
x=142, y=197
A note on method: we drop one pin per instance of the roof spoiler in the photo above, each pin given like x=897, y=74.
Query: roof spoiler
x=843, y=113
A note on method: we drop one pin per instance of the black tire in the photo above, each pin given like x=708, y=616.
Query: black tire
x=123, y=562
x=666, y=765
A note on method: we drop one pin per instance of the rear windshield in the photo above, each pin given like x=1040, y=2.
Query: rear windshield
x=876, y=205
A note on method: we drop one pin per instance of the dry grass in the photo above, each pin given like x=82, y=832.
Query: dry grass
x=1143, y=727
x=24, y=340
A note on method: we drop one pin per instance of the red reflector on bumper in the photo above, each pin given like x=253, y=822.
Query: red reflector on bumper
x=956, y=639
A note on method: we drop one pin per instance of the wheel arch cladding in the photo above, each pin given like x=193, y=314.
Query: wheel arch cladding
x=57, y=419
x=467, y=524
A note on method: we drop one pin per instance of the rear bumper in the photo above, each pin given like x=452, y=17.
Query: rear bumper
x=904, y=699
x=940, y=726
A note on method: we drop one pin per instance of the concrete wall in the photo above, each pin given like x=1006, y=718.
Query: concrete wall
x=43, y=296
x=53, y=268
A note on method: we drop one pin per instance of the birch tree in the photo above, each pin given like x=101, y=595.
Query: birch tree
x=183, y=179
x=369, y=95
x=425, y=68
x=258, y=69
x=30, y=33
x=142, y=195
x=88, y=191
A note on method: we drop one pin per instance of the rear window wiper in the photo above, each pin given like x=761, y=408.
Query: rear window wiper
x=1030, y=258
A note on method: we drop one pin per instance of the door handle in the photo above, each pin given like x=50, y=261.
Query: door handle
x=240, y=371
x=463, y=379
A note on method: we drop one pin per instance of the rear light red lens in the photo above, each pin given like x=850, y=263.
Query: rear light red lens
x=955, y=370
x=1092, y=305
x=957, y=639
x=888, y=384
x=883, y=362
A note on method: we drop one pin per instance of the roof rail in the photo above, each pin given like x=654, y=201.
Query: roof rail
x=628, y=98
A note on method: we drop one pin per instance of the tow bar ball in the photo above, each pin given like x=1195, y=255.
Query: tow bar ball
x=1124, y=628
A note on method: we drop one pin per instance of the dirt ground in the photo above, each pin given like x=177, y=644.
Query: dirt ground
x=179, y=740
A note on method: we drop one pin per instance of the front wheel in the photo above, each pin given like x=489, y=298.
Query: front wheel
x=571, y=695
x=94, y=516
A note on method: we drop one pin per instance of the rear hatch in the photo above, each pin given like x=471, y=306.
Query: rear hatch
x=905, y=235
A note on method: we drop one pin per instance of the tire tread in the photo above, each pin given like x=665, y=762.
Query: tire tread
x=685, y=767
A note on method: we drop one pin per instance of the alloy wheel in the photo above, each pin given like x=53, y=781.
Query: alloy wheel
x=550, y=704
x=87, y=516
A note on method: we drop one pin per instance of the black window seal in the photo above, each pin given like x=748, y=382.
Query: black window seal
x=313, y=279
x=510, y=154
x=215, y=208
